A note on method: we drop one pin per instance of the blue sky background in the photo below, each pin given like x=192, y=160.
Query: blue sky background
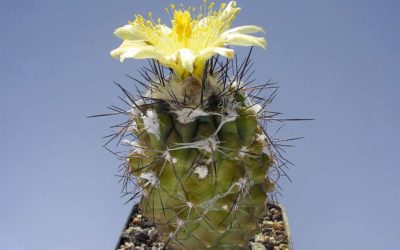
x=336, y=62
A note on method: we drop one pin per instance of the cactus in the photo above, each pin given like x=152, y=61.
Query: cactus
x=200, y=155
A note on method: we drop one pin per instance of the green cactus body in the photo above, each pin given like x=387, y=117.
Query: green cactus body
x=201, y=166
x=200, y=157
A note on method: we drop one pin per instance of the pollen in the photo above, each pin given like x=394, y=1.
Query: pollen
x=182, y=26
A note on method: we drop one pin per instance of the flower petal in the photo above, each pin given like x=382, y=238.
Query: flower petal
x=246, y=29
x=125, y=45
x=186, y=58
x=129, y=32
x=228, y=53
x=136, y=49
x=245, y=40
x=209, y=52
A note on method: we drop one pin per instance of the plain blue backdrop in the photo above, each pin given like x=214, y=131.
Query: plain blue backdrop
x=335, y=61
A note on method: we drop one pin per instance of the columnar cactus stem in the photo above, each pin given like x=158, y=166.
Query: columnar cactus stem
x=200, y=155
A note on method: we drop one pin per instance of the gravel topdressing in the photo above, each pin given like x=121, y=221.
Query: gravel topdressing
x=141, y=233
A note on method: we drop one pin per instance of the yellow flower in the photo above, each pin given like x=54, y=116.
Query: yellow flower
x=190, y=42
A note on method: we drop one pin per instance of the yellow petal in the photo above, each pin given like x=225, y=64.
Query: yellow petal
x=205, y=54
x=127, y=44
x=128, y=32
x=245, y=40
x=229, y=53
x=209, y=52
x=136, y=49
x=246, y=29
x=186, y=59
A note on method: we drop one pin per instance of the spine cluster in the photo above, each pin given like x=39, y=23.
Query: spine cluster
x=200, y=157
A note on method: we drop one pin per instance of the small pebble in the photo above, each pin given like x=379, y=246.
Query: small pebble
x=136, y=221
x=267, y=223
x=283, y=247
x=257, y=246
x=278, y=226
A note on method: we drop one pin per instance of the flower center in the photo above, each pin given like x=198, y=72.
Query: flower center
x=182, y=26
